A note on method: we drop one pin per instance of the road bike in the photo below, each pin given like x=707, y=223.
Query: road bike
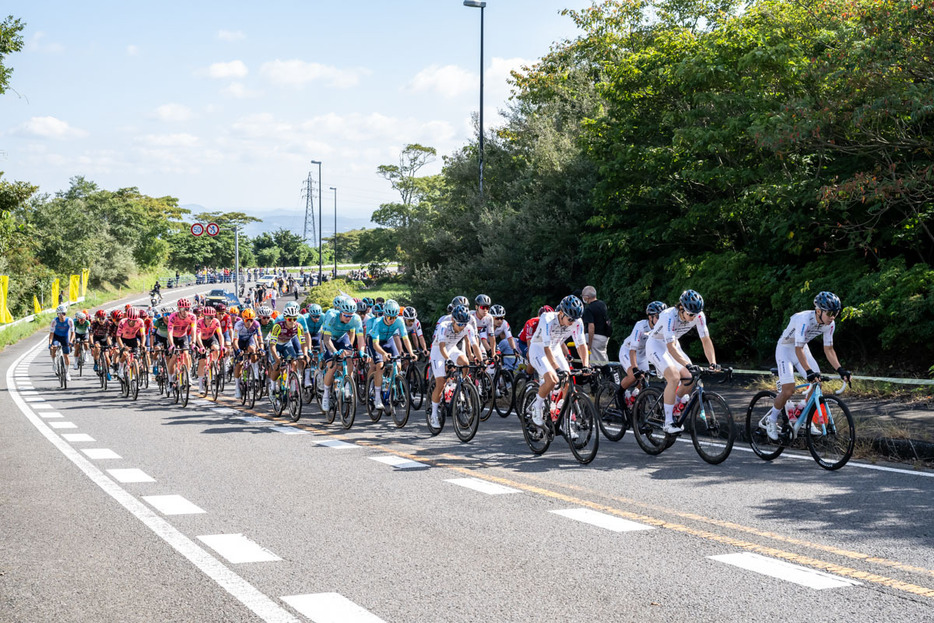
x=706, y=414
x=416, y=376
x=828, y=426
x=394, y=394
x=58, y=365
x=287, y=390
x=343, y=393
x=129, y=380
x=161, y=372
x=181, y=384
x=80, y=354
x=568, y=411
x=103, y=366
x=613, y=408
x=250, y=385
x=504, y=387
x=459, y=401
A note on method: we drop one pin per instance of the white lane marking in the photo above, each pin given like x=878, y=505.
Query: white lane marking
x=34, y=399
x=336, y=443
x=602, y=520
x=331, y=608
x=782, y=570
x=224, y=410
x=41, y=407
x=130, y=475
x=483, y=486
x=202, y=402
x=173, y=505
x=252, y=419
x=289, y=430
x=99, y=453
x=63, y=425
x=237, y=549
x=240, y=589
x=398, y=462
x=51, y=414
x=28, y=392
x=77, y=437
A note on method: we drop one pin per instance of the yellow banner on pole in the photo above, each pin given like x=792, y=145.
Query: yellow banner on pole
x=5, y=315
x=36, y=308
x=85, y=275
x=54, y=301
x=73, y=287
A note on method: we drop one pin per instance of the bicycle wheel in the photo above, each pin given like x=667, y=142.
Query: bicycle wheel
x=834, y=447
x=347, y=401
x=465, y=411
x=648, y=418
x=220, y=376
x=294, y=397
x=62, y=372
x=132, y=380
x=125, y=383
x=504, y=396
x=360, y=380
x=756, y=414
x=177, y=386
x=277, y=395
x=613, y=419
x=400, y=401
x=184, y=388
x=252, y=390
x=712, y=429
x=243, y=382
x=536, y=438
x=442, y=416
x=370, y=399
x=583, y=431
x=415, y=390
x=79, y=354
x=143, y=375
x=213, y=382
x=484, y=387
x=308, y=391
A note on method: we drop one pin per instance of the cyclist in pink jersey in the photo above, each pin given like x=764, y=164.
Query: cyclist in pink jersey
x=209, y=336
x=181, y=326
x=131, y=333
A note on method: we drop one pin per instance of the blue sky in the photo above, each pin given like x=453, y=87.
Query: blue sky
x=223, y=104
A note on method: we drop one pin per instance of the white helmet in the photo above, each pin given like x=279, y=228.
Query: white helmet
x=61, y=309
x=81, y=316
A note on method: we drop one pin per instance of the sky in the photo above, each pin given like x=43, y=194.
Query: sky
x=224, y=104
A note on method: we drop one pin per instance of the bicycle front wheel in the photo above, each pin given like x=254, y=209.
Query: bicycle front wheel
x=372, y=391
x=834, y=446
x=294, y=397
x=504, y=395
x=484, y=387
x=613, y=419
x=648, y=419
x=184, y=387
x=465, y=411
x=416, y=393
x=132, y=380
x=400, y=402
x=536, y=438
x=712, y=429
x=347, y=401
x=581, y=428
x=756, y=420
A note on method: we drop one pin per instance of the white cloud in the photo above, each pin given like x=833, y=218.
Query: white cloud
x=499, y=71
x=233, y=69
x=36, y=44
x=173, y=112
x=448, y=81
x=239, y=90
x=180, y=139
x=49, y=127
x=132, y=50
x=297, y=73
x=231, y=35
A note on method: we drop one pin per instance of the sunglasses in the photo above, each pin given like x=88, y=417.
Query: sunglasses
x=484, y=307
x=830, y=314
x=343, y=315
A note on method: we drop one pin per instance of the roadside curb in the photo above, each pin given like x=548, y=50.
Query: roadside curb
x=904, y=449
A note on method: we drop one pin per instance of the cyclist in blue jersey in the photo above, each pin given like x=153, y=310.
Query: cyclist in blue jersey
x=61, y=332
x=338, y=335
x=385, y=336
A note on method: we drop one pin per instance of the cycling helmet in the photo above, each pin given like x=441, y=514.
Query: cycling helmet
x=498, y=311
x=304, y=310
x=116, y=314
x=100, y=314
x=369, y=301
x=378, y=309
x=337, y=299
x=221, y=308
x=410, y=313
x=265, y=311
x=132, y=313
x=81, y=316
x=483, y=300
x=459, y=300
x=249, y=314
x=655, y=308
x=127, y=307
x=391, y=309
x=346, y=306
x=692, y=302
x=544, y=308
x=291, y=310
x=572, y=307
x=828, y=301
x=460, y=314
x=184, y=304
x=143, y=313
x=362, y=307
x=61, y=309
x=233, y=310
x=314, y=310
x=208, y=311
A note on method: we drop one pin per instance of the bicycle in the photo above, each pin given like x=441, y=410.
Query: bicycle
x=103, y=366
x=58, y=365
x=828, y=415
x=459, y=401
x=416, y=376
x=710, y=418
x=614, y=409
x=162, y=375
x=395, y=394
x=504, y=388
x=343, y=394
x=569, y=410
x=129, y=381
x=250, y=386
x=181, y=387
x=287, y=391
x=80, y=354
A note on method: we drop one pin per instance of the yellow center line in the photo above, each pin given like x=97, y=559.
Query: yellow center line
x=661, y=523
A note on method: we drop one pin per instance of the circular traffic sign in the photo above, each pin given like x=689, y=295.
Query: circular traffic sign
x=197, y=229
x=212, y=229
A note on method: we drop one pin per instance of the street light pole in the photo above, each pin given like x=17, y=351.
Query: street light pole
x=476, y=4
x=335, y=230
x=320, y=222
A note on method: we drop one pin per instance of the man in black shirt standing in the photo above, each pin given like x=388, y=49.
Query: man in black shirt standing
x=596, y=325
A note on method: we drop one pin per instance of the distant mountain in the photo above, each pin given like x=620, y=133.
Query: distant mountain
x=292, y=220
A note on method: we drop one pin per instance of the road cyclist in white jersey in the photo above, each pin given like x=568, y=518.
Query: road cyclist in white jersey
x=632, y=355
x=444, y=347
x=502, y=338
x=61, y=332
x=792, y=352
x=413, y=328
x=471, y=348
x=545, y=353
x=484, y=324
x=664, y=351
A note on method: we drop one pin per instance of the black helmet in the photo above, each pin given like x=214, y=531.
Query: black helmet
x=828, y=301
x=459, y=300
x=572, y=307
x=483, y=300
x=460, y=314
x=692, y=302
x=654, y=308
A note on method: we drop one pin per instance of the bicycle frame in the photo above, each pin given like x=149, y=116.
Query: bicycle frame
x=814, y=401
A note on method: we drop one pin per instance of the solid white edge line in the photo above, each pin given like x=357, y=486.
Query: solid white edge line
x=244, y=592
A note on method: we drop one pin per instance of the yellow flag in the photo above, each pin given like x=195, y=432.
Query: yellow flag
x=85, y=275
x=5, y=315
x=36, y=308
x=73, y=287
x=55, y=293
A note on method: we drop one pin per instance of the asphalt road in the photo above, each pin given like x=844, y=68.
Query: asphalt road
x=275, y=522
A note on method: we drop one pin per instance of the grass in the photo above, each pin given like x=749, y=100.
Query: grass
x=862, y=389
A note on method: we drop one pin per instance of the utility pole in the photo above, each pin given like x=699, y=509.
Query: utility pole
x=320, y=229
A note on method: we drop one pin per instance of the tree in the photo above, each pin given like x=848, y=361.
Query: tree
x=11, y=40
x=190, y=253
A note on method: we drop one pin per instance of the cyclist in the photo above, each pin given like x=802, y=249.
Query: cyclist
x=131, y=333
x=664, y=351
x=209, y=337
x=632, y=351
x=100, y=336
x=341, y=330
x=82, y=330
x=484, y=322
x=502, y=335
x=160, y=332
x=444, y=347
x=314, y=320
x=528, y=330
x=385, y=334
x=792, y=352
x=545, y=352
x=249, y=339
x=287, y=340
x=60, y=332
x=413, y=328
x=363, y=310
x=182, y=327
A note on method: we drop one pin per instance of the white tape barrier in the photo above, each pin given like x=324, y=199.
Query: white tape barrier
x=855, y=378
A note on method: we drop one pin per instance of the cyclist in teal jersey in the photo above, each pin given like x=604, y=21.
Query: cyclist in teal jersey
x=384, y=336
x=338, y=334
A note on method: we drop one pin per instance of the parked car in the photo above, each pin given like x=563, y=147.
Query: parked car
x=222, y=296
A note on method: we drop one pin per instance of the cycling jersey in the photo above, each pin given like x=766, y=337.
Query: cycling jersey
x=381, y=332
x=636, y=340
x=208, y=329
x=528, y=330
x=338, y=329
x=550, y=333
x=246, y=330
x=670, y=327
x=446, y=334
x=284, y=334
x=314, y=326
x=180, y=327
x=502, y=331
x=128, y=331
x=62, y=328
x=81, y=328
x=804, y=327
x=100, y=329
x=227, y=323
x=266, y=329
x=160, y=326
x=484, y=325
x=415, y=329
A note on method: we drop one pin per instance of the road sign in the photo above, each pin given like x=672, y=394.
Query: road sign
x=212, y=229
x=197, y=229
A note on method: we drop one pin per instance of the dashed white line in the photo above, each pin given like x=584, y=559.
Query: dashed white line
x=602, y=520
x=782, y=570
x=34, y=399
x=99, y=453
x=237, y=549
x=399, y=462
x=483, y=486
x=73, y=437
x=39, y=407
x=336, y=443
x=63, y=425
x=130, y=475
x=289, y=430
x=331, y=608
x=172, y=505
x=51, y=415
x=252, y=419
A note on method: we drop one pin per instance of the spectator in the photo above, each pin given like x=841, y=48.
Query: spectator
x=596, y=326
